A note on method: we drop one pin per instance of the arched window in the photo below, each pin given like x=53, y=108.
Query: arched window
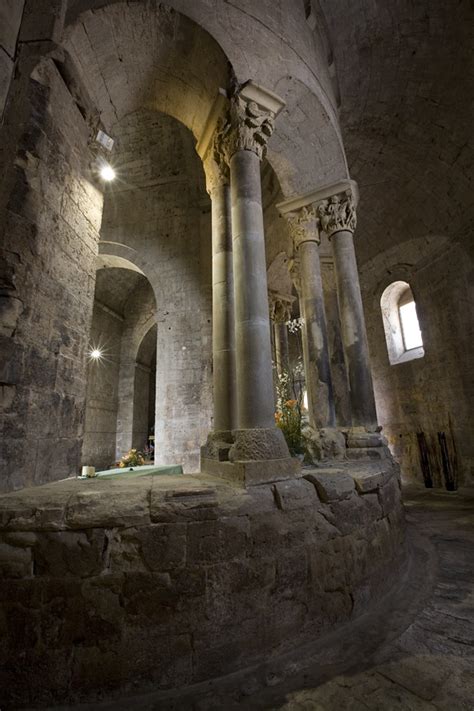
x=400, y=320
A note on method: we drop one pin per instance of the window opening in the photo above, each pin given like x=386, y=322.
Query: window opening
x=400, y=320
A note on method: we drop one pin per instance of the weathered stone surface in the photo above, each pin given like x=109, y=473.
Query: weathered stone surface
x=389, y=496
x=326, y=443
x=258, y=444
x=15, y=562
x=163, y=547
x=105, y=504
x=368, y=453
x=331, y=485
x=217, y=578
x=366, y=481
x=294, y=494
x=70, y=554
x=193, y=502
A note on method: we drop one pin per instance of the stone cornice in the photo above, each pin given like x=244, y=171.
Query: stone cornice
x=266, y=100
x=318, y=195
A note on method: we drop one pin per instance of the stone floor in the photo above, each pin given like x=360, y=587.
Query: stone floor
x=413, y=653
x=430, y=665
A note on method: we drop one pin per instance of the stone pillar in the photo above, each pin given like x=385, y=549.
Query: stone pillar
x=281, y=345
x=223, y=341
x=338, y=219
x=126, y=402
x=244, y=139
x=280, y=314
x=306, y=241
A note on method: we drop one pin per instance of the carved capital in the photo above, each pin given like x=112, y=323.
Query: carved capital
x=248, y=128
x=337, y=213
x=303, y=226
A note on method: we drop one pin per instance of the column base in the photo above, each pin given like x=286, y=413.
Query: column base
x=256, y=456
x=258, y=444
x=253, y=473
x=217, y=445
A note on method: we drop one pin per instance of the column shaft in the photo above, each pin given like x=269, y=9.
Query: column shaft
x=318, y=370
x=281, y=347
x=255, y=398
x=353, y=331
x=223, y=342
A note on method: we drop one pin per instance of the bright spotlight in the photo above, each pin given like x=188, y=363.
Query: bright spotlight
x=107, y=173
x=96, y=354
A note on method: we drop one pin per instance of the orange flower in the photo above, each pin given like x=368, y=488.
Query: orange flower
x=277, y=417
x=291, y=404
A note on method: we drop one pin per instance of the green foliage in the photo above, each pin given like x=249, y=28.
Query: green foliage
x=288, y=415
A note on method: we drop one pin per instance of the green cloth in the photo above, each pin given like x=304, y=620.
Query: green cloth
x=146, y=470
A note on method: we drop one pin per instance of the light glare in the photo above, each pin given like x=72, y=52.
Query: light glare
x=410, y=326
x=107, y=173
x=96, y=354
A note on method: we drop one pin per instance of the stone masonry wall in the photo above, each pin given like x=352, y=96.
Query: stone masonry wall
x=10, y=18
x=434, y=393
x=50, y=218
x=100, y=427
x=160, y=582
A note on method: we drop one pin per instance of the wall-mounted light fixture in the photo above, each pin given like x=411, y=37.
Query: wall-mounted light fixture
x=107, y=173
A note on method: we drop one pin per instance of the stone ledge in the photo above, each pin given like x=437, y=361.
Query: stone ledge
x=368, y=453
x=331, y=484
x=366, y=482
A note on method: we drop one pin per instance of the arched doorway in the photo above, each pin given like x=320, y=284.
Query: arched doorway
x=123, y=326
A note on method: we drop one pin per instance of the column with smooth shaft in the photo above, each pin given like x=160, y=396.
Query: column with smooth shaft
x=306, y=240
x=223, y=341
x=281, y=343
x=281, y=316
x=245, y=137
x=337, y=217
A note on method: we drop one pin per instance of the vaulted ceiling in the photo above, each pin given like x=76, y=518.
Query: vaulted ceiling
x=406, y=76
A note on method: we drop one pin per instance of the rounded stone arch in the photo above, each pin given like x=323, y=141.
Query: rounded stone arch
x=118, y=254
x=186, y=54
x=139, y=56
x=306, y=149
x=105, y=260
x=390, y=301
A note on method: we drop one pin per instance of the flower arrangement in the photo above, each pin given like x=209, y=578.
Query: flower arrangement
x=132, y=458
x=288, y=419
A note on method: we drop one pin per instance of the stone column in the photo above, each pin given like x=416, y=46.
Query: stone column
x=244, y=139
x=304, y=231
x=337, y=217
x=280, y=313
x=223, y=341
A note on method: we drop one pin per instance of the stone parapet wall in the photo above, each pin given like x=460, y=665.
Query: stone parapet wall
x=161, y=582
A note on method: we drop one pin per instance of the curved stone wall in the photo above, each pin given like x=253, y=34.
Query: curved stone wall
x=114, y=587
